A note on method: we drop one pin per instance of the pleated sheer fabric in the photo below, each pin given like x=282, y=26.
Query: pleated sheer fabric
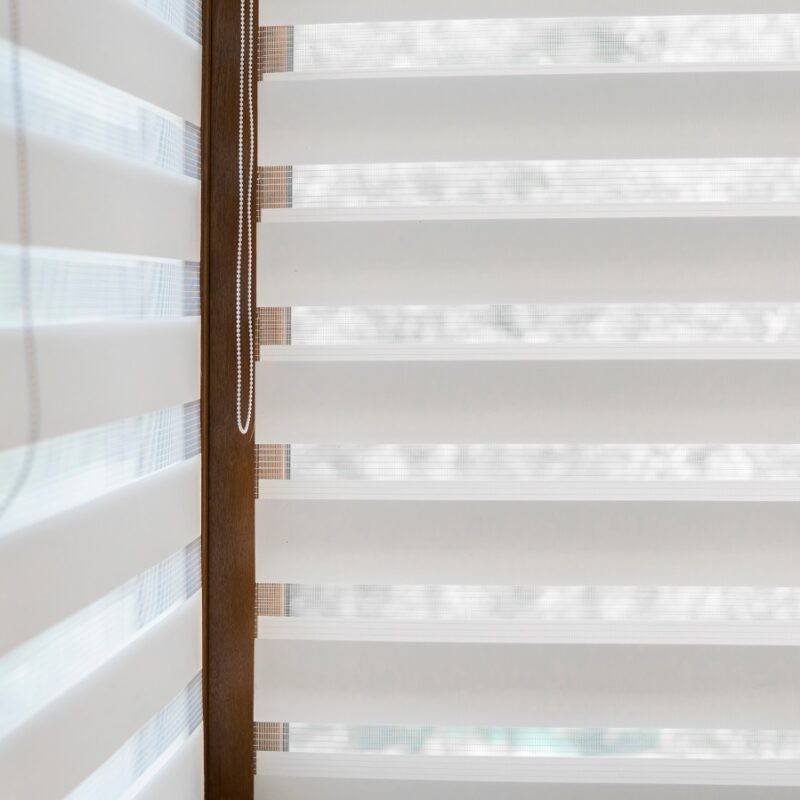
x=528, y=446
x=100, y=648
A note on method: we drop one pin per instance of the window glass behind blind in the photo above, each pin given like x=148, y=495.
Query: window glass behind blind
x=100, y=650
x=528, y=445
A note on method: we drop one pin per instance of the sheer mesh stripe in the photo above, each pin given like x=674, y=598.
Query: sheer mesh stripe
x=69, y=105
x=80, y=286
x=534, y=45
x=72, y=469
x=185, y=16
x=433, y=741
x=535, y=603
x=37, y=672
x=483, y=185
x=364, y=327
x=530, y=462
x=148, y=749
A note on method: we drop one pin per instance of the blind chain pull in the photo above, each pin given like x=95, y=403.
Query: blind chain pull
x=245, y=205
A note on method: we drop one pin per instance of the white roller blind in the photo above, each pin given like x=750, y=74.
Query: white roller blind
x=100, y=647
x=526, y=407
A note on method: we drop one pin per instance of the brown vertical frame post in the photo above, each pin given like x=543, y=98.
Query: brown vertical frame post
x=228, y=457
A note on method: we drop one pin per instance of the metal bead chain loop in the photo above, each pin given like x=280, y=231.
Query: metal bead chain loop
x=245, y=205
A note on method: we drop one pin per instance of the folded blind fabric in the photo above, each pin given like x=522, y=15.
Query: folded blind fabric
x=526, y=404
x=100, y=650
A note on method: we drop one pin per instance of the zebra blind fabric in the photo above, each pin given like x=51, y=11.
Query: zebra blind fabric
x=528, y=444
x=100, y=648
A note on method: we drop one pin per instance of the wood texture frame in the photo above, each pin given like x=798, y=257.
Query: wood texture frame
x=228, y=457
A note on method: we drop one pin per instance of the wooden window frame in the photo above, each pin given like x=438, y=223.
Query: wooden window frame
x=228, y=456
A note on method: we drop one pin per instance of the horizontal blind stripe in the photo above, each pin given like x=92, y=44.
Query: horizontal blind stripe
x=518, y=331
x=708, y=634
x=632, y=401
x=88, y=201
x=73, y=469
x=526, y=684
x=635, y=463
x=315, y=11
x=55, y=101
x=552, y=162
x=767, y=772
x=612, y=323
x=152, y=669
x=79, y=286
x=548, y=614
x=95, y=373
x=561, y=189
x=183, y=15
x=85, y=552
x=493, y=741
x=566, y=211
x=181, y=778
x=277, y=787
x=536, y=45
x=146, y=752
x=51, y=663
x=564, y=351
x=544, y=491
x=136, y=53
x=517, y=117
x=453, y=603
x=413, y=542
x=611, y=260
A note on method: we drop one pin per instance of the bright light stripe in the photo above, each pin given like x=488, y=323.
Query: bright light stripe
x=185, y=16
x=72, y=469
x=700, y=330
x=127, y=531
x=37, y=672
x=81, y=286
x=655, y=183
x=540, y=45
x=69, y=105
x=639, y=463
x=147, y=750
x=495, y=603
x=534, y=742
x=612, y=615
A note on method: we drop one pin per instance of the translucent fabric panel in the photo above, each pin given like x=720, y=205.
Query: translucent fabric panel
x=183, y=15
x=641, y=463
x=535, y=742
x=481, y=184
x=80, y=286
x=69, y=470
x=693, y=323
x=147, y=750
x=569, y=573
x=671, y=259
x=37, y=672
x=83, y=200
x=535, y=603
x=60, y=102
x=486, y=46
